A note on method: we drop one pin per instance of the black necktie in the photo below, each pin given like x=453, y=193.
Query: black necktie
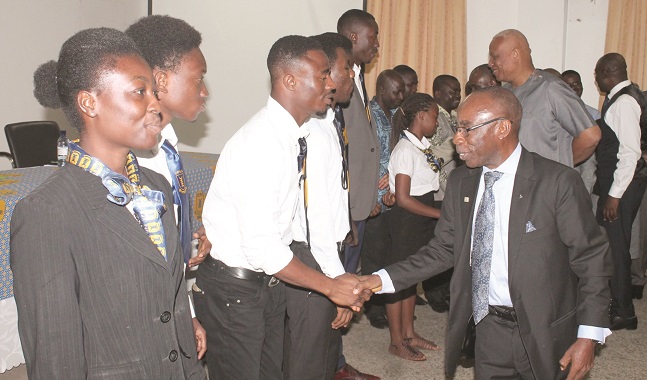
x=301, y=167
x=340, y=125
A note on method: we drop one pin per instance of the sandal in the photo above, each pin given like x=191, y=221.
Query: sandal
x=419, y=342
x=405, y=351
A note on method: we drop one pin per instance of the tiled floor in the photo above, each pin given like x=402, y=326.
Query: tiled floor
x=366, y=348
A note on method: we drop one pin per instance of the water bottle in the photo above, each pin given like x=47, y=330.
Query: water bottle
x=61, y=149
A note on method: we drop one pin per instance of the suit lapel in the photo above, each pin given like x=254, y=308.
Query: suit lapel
x=469, y=187
x=118, y=219
x=523, y=186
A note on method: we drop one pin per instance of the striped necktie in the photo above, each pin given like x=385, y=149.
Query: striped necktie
x=180, y=197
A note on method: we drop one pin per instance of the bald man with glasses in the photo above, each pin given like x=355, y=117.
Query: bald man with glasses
x=531, y=265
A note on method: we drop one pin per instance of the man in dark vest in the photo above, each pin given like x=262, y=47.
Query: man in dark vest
x=621, y=176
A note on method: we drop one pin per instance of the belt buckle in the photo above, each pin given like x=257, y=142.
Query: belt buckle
x=273, y=282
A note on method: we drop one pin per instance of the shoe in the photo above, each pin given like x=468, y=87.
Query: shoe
x=378, y=321
x=637, y=291
x=420, y=301
x=440, y=307
x=347, y=372
x=620, y=323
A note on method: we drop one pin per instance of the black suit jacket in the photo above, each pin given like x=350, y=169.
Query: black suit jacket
x=558, y=274
x=95, y=297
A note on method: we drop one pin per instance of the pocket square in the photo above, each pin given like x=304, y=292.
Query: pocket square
x=530, y=227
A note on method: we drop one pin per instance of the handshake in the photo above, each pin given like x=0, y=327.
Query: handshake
x=352, y=290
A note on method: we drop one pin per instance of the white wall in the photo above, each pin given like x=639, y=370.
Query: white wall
x=32, y=33
x=236, y=37
x=563, y=34
x=237, y=34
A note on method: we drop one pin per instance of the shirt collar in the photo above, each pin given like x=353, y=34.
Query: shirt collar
x=509, y=166
x=618, y=87
x=283, y=119
x=420, y=144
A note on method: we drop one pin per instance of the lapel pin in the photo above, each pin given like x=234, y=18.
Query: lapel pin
x=466, y=199
x=520, y=196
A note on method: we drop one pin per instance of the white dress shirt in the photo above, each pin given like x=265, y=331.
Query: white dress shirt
x=252, y=200
x=623, y=117
x=407, y=159
x=327, y=200
x=499, y=290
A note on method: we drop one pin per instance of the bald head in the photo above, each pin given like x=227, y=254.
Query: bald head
x=509, y=57
x=389, y=89
x=496, y=113
x=610, y=70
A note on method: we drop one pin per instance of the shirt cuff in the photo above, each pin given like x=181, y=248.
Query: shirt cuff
x=387, y=284
x=595, y=333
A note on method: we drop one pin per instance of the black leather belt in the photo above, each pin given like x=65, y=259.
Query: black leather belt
x=242, y=273
x=505, y=312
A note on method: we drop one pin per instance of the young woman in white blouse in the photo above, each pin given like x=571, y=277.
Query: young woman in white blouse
x=413, y=173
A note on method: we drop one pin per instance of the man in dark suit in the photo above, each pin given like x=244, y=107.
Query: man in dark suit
x=530, y=262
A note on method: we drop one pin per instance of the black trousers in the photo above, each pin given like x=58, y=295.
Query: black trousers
x=619, y=234
x=244, y=321
x=499, y=351
x=311, y=344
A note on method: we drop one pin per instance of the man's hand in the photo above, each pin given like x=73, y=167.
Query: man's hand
x=344, y=292
x=388, y=199
x=344, y=315
x=204, y=247
x=200, y=338
x=610, y=212
x=580, y=355
x=383, y=183
x=376, y=210
x=372, y=283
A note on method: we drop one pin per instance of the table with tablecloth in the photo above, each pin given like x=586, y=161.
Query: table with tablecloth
x=17, y=183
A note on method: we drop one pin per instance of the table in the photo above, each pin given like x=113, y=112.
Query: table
x=15, y=184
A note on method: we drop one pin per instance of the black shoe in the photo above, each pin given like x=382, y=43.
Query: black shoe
x=439, y=307
x=378, y=321
x=637, y=291
x=620, y=323
x=420, y=301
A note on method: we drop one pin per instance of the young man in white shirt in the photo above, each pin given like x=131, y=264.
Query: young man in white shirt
x=179, y=68
x=248, y=216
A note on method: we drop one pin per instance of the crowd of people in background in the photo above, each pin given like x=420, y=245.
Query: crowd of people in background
x=516, y=209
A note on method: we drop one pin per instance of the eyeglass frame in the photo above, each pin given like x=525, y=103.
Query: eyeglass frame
x=466, y=131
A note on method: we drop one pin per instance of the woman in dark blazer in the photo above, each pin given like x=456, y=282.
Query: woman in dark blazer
x=97, y=267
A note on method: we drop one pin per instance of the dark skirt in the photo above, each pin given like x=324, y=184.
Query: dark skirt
x=408, y=231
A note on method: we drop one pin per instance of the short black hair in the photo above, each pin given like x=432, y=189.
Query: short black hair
x=571, y=72
x=351, y=18
x=164, y=40
x=440, y=80
x=330, y=42
x=83, y=59
x=404, y=70
x=286, y=51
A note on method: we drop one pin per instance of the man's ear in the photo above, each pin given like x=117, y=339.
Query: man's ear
x=161, y=80
x=289, y=82
x=503, y=129
x=515, y=54
x=87, y=103
x=353, y=37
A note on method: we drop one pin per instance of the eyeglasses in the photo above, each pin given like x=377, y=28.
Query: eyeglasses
x=465, y=131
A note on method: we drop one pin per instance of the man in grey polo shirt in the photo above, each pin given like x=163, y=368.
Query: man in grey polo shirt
x=555, y=122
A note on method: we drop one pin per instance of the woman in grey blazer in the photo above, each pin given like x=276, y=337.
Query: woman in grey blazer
x=95, y=256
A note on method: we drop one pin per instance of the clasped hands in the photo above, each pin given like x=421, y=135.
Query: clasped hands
x=352, y=290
